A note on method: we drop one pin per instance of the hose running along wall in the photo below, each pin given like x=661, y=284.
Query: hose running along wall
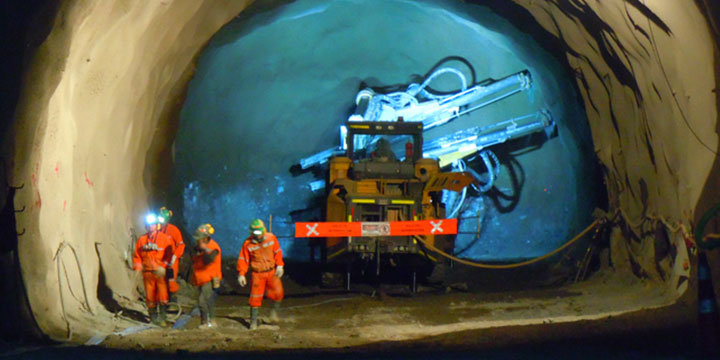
x=93, y=132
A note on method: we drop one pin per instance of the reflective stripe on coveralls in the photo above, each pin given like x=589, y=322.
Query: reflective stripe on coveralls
x=153, y=250
x=265, y=283
x=262, y=257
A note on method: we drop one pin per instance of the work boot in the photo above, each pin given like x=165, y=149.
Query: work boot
x=162, y=315
x=203, y=319
x=153, y=315
x=274, y=319
x=173, y=305
x=254, y=318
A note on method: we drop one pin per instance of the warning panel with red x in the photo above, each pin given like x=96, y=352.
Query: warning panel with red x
x=370, y=229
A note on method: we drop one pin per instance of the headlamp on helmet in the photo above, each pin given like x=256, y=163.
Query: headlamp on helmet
x=257, y=228
x=151, y=222
x=203, y=231
x=151, y=219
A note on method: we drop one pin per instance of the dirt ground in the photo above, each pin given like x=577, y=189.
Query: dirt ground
x=457, y=316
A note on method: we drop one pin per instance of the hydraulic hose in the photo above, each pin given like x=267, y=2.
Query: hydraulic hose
x=414, y=89
x=179, y=313
x=710, y=241
x=493, y=171
x=508, y=266
x=461, y=166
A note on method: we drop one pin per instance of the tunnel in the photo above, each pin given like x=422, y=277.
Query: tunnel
x=207, y=106
x=293, y=102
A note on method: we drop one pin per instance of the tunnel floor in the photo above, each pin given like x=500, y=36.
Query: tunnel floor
x=364, y=317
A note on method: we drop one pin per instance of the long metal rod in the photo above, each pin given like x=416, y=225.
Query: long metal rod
x=377, y=256
x=414, y=282
x=347, y=277
x=429, y=111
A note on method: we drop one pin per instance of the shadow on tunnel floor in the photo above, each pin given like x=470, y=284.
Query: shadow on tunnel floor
x=303, y=279
x=671, y=343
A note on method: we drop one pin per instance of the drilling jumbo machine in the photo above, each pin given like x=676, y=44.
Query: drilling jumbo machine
x=385, y=185
x=385, y=202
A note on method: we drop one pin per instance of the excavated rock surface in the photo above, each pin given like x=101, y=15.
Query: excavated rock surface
x=91, y=136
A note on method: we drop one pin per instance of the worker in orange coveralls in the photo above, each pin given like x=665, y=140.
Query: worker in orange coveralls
x=167, y=228
x=207, y=270
x=261, y=252
x=153, y=252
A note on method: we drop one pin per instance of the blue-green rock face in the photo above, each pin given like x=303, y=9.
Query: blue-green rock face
x=274, y=85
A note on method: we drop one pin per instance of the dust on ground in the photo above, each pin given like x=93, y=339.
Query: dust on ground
x=322, y=319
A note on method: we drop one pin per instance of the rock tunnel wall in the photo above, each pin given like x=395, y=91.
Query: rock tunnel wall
x=648, y=74
x=650, y=96
x=108, y=81
x=99, y=91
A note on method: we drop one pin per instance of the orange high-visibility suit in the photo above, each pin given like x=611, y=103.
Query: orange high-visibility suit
x=262, y=257
x=203, y=273
x=153, y=250
x=179, y=245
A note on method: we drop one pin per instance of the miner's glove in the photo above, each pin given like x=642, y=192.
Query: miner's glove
x=241, y=280
x=279, y=271
x=170, y=273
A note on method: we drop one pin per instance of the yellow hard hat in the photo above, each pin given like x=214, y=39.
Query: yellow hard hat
x=203, y=231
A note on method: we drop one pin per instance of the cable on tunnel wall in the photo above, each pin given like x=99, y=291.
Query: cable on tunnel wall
x=674, y=228
x=679, y=227
x=57, y=259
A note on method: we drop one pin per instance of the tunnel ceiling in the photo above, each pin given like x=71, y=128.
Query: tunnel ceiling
x=91, y=139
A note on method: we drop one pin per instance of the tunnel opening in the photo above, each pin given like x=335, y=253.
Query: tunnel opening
x=634, y=269
x=264, y=96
